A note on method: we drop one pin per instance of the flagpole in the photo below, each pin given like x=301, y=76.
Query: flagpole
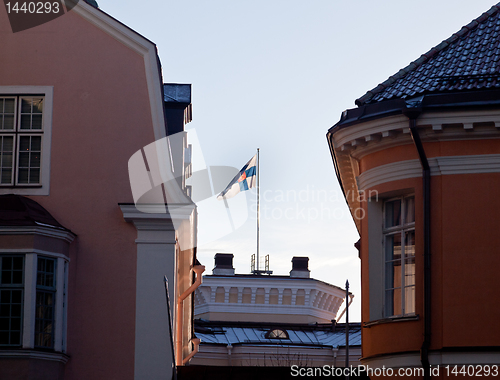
x=258, y=206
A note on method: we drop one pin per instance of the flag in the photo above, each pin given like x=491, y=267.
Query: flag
x=244, y=180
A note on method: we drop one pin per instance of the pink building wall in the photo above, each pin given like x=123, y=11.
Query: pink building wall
x=101, y=116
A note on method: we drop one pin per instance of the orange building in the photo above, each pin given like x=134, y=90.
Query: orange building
x=419, y=163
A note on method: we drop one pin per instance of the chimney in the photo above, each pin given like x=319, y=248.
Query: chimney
x=223, y=264
x=300, y=267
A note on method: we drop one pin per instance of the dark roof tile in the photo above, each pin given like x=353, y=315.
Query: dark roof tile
x=467, y=60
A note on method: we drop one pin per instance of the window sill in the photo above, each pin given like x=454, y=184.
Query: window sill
x=406, y=318
x=10, y=186
x=33, y=354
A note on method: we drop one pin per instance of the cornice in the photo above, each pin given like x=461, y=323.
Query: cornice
x=32, y=354
x=265, y=282
x=448, y=165
x=61, y=234
x=365, y=138
x=157, y=213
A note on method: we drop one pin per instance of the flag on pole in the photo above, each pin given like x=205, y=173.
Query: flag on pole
x=244, y=180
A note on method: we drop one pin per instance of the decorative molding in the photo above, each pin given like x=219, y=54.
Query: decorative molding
x=32, y=354
x=450, y=165
x=37, y=251
x=157, y=212
x=312, y=306
x=54, y=232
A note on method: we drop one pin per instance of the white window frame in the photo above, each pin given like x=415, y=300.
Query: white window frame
x=43, y=188
x=401, y=229
x=30, y=289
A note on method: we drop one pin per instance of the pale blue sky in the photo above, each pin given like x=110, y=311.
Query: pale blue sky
x=277, y=74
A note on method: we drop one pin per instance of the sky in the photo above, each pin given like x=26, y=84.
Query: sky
x=276, y=75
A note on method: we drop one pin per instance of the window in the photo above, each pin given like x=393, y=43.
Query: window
x=399, y=247
x=21, y=132
x=277, y=334
x=11, y=299
x=25, y=139
x=32, y=301
x=45, y=298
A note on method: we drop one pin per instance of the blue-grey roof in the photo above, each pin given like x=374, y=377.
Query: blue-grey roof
x=468, y=60
x=248, y=333
x=177, y=93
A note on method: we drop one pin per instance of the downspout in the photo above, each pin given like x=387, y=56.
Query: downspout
x=229, y=349
x=412, y=111
x=198, y=269
x=196, y=342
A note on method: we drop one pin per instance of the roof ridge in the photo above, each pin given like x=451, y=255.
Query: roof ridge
x=428, y=55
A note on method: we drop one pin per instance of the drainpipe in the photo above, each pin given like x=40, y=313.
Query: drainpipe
x=198, y=269
x=412, y=112
x=335, y=351
x=229, y=348
x=196, y=342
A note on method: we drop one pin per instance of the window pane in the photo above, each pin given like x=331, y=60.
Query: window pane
x=410, y=299
x=11, y=317
x=24, y=159
x=393, y=302
x=36, y=122
x=44, y=320
x=35, y=160
x=23, y=176
x=31, y=113
x=6, y=162
x=8, y=144
x=17, y=263
x=37, y=105
x=7, y=109
x=409, y=243
x=410, y=271
x=393, y=247
x=6, y=176
x=24, y=144
x=410, y=209
x=34, y=176
x=26, y=105
x=12, y=271
x=6, y=277
x=46, y=272
x=9, y=106
x=25, y=121
x=36, y=143
x=17, y=277
x=393, y=213
x=8, y=122
x=5, y=322
x=29, y=159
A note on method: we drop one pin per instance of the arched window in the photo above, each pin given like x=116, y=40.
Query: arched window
x=277, y=334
